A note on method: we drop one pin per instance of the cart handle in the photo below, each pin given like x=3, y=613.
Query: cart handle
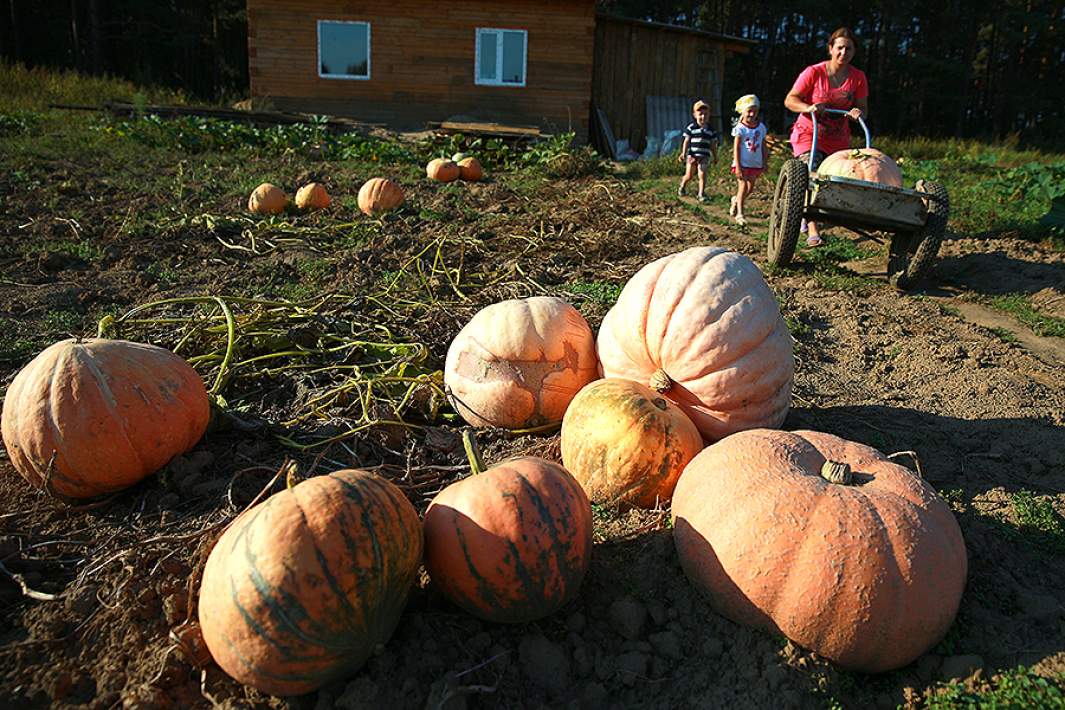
x=813, y=146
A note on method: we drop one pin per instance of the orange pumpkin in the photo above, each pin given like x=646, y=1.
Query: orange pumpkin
x=470, y=169
x=518, y=363
x=511, y=544
x=110, y=412
x=867, y=164
x=379, y=195
x=868, y=575
x=442, y=170
x=300, y=589
x=625, y=443
x=312, y=196
x=267, y=199
x=703, y=328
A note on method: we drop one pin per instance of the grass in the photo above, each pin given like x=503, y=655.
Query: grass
x=994, y=188
x=1015, y=689
x=1037, y=520
x=604, y=293
x=1020, y=306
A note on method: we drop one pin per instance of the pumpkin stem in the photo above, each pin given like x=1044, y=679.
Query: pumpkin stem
x=473, y=451
x=292, y=475
x=660, y=382
x=836, y=472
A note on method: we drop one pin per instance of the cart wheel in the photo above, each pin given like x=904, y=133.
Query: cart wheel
x=786, y=217
x=911, y=254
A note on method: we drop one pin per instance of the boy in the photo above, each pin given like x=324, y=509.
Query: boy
x=698, y=149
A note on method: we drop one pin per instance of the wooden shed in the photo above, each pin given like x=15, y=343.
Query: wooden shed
x=636, y=59
x=405, y=63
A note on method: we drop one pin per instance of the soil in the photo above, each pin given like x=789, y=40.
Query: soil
x=983, y=417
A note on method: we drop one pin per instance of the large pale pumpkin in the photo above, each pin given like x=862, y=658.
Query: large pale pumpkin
x=867, y=164
x=300, y=589
x=379, y=195
x=110, y=412
x=625, y=443
x=518, y=363
x=470, y=169
x=511, y=544
x=267, y=199
x=703, y=328
x=312, y=196
x=867, y=574
x=442, y=170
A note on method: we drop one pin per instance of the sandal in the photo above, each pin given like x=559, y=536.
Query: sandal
x=732, y=207
x=701, y=198
x=740, y=220
x=813, y=241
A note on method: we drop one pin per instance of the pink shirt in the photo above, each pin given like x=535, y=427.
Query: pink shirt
x=833, y=131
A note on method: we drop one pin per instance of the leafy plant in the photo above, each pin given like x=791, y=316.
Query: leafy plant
x=1016, y=689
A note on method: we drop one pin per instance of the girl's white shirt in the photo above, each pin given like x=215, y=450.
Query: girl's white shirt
x=751, y=140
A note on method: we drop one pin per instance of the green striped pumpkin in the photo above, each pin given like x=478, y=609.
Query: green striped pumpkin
x=301, y=588
x=511, y=544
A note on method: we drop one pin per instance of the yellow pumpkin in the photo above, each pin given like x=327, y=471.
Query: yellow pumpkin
x=625, y=443
x=442, y=170
x=312, y=196
x=267, y=199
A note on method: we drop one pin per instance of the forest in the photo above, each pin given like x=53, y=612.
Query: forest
x=987, y=69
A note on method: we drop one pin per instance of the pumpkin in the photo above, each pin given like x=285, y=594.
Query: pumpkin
x=470, y=169
x=511, y=544
x=702, y=328
x=87, y=417
x=300, y=589
x=267, y=199
x=867, y=164
x=312, y=196
x=442, y=170
x=518, y=363
x=868, y=574
x=625, y=443
x=379, y=195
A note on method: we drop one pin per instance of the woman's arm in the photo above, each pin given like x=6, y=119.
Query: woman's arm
x=794, y=102
x=736, y=151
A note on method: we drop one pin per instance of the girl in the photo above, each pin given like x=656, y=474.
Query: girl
x=699, y=148
x=748, y=153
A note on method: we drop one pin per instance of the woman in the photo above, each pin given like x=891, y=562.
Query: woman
x=831, y=84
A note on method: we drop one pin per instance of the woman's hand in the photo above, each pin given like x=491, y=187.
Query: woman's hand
x=815, y=108
x=856, y=113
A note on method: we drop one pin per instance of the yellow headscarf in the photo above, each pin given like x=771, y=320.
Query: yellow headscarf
x=745, y=102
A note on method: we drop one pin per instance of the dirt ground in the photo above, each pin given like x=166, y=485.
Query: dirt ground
x=984, y=416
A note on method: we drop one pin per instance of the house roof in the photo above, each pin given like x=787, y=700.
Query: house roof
x=731, y=42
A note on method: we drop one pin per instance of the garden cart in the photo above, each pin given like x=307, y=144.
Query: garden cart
x=916, y=219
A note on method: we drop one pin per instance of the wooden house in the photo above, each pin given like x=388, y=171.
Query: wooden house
x=404, y=63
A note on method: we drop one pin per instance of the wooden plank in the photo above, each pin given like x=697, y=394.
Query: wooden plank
x=608, y=135
x=489, y=128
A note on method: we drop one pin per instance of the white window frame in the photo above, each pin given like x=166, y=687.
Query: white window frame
x=498, y=32
x=369, y=52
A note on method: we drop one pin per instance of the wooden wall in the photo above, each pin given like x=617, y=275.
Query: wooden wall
x=422, y=61
x=634, y=60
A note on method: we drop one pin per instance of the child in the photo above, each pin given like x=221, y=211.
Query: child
x=699, y=147
x=748, y=153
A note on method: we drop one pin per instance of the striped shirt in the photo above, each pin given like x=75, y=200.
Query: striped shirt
x=700, y=140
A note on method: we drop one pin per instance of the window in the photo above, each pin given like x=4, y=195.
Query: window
x=343, y=50
x=500, y=57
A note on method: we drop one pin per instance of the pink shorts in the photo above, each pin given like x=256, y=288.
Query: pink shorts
x=747, y=173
